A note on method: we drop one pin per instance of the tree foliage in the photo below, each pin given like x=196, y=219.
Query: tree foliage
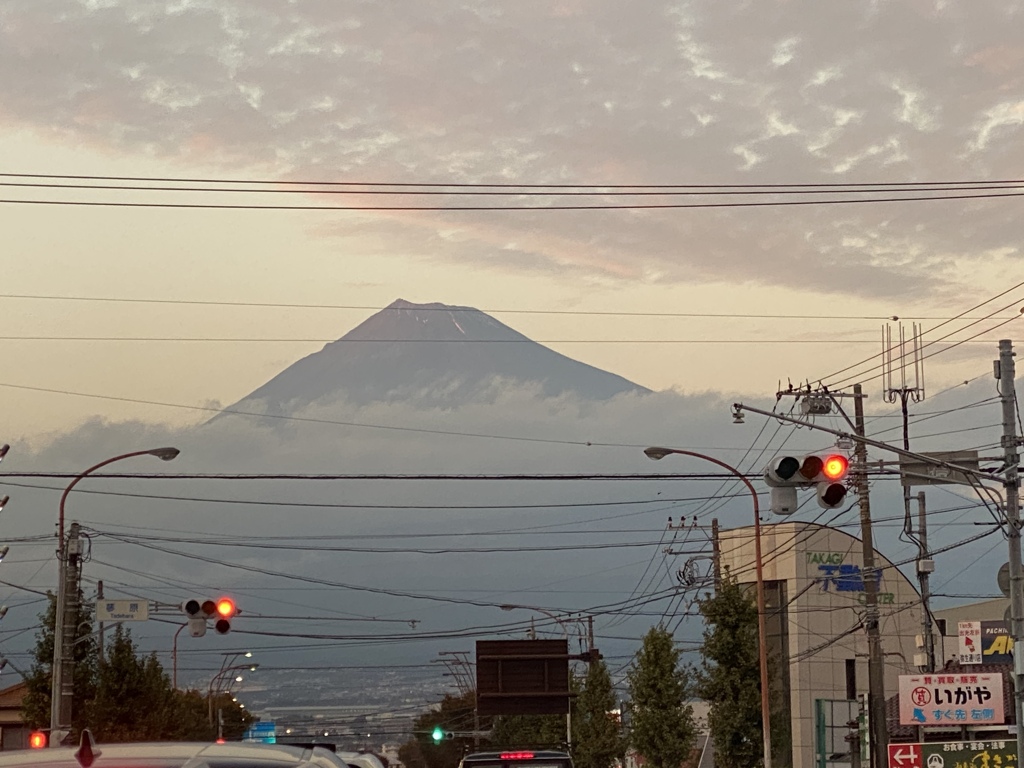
x=730, y=677
x=529, y=731
x=36, y=703
x=454, y=713
x=597, y=736
x=663, y=729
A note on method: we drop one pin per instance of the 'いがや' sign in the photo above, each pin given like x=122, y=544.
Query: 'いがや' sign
x=951, y=699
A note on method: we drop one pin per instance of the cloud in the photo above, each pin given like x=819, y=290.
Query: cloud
x=588, y=92
x=518, y=434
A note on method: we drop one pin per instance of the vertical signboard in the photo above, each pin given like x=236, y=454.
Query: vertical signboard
x=969, y=637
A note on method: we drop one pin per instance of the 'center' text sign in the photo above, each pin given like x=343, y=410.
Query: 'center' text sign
x=946, y=699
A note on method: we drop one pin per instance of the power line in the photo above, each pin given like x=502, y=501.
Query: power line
x=428, y=308
x=496, y=208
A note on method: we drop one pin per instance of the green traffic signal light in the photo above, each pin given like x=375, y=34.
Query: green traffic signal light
x=437, y=734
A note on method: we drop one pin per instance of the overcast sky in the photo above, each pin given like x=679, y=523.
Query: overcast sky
x=574, y=92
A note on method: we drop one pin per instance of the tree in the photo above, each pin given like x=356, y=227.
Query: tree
x=597, y=740
x=529, y=731
x=663, y=730
x=455, y=713
x=35, y=707
x=730, y=676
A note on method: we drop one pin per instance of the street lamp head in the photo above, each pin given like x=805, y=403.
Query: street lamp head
x=3, y=611
x=239, y=679
x=3, y=450
x=657, y=453
x=254, y=667
x=248, y=654
x=3, y=552
x=164, y=454
x=3, y=501
x=508, y=607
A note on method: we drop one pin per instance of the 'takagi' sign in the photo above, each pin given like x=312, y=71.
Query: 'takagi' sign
x=951, y=699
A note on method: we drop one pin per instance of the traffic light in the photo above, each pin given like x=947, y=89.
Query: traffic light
x=222, y=610
x=825, y=471
x=37, y=740
x=439, y=734
x=225, y=611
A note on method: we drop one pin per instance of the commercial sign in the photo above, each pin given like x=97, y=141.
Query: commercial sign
x=954, y=754
x=836, y=575
x=985, y=642
x=960, y=699
x=122, y=610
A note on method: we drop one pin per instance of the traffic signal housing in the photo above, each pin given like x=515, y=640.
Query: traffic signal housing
x=824, y=471
x=225, y=612
x=222, y=610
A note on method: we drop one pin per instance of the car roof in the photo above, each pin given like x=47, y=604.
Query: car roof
x=167, y=753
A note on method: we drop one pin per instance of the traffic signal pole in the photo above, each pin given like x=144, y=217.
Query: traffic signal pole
x=1005, y=373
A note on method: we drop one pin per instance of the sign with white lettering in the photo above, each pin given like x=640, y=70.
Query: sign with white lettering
x=954, y=754
x=122, y=610
x=969, y=634
x=948, y=699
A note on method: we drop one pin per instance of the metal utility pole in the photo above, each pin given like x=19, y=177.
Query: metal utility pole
x=876, y=680
x=1004, y=373
x=922, y=577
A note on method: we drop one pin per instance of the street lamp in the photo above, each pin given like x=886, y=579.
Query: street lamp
x=658, y=453
x=62, y=683
x=215, y=682
x=533, y=636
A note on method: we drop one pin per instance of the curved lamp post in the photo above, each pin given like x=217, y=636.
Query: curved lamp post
x=61, y=687
x=657, y=453
x=215, y=683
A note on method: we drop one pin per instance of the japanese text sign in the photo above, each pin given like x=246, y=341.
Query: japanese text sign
x=951, y=699
x=954, y=754
x=122, y=610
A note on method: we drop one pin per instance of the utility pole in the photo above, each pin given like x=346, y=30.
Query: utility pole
x=876, y=680
x=1004, y=373
x=922, y=576
x=716, y=554
x=99, y=639
x=67, y=618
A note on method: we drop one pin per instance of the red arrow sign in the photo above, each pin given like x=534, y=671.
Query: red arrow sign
x=905, y=756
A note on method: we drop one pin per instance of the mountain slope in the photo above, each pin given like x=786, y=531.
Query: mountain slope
x=434, y=354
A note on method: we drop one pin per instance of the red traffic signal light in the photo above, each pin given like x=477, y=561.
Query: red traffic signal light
x=37, y=740
x=835, y=466
x=226, y=607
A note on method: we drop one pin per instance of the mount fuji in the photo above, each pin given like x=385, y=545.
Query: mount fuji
x=434, y=355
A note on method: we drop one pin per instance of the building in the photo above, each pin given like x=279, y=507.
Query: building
x=13, y=731
x=814, y=594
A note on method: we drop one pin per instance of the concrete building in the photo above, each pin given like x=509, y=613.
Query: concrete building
x=815, y=599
